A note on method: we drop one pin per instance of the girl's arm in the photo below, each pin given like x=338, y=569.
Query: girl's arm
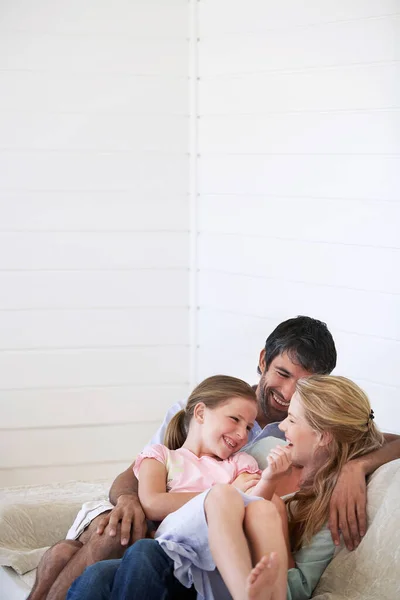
x=156, y=502
x=279, y=465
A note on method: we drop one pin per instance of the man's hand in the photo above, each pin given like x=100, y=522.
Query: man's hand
x=129, y=513
x=348, y=505
x=245, y=481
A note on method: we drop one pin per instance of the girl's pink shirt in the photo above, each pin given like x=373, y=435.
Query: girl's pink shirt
x=187, y=472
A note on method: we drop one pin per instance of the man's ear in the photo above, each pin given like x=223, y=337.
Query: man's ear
x=261, y=361
x=198, y=412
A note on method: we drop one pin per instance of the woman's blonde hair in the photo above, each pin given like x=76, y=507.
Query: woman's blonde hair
x=339, y=407
x=212, y=392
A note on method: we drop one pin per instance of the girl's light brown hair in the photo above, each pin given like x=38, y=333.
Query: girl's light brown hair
x=212, y=392
x=339, y=407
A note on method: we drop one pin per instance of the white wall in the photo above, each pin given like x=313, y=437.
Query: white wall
x=297, y=209
x=94, y=238
x=299, y=206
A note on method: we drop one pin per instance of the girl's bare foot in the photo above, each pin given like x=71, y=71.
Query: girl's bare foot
x=262, y=578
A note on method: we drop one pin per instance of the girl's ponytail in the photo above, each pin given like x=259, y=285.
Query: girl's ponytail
x=176, y=433
x=212, y=392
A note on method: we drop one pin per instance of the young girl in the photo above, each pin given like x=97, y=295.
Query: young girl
x=250, y=540
x=201, y=446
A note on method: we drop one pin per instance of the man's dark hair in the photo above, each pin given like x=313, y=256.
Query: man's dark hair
x=307, y=341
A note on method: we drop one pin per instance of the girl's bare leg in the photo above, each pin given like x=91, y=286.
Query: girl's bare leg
x=225, y=513
x=264, y=533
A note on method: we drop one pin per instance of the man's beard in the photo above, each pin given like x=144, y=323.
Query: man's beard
x=271, y=414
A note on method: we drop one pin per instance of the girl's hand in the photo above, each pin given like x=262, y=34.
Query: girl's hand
x=279, y=463
x=245, y=481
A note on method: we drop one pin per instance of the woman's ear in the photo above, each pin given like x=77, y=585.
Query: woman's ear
x=325, y=438
x=198, y=412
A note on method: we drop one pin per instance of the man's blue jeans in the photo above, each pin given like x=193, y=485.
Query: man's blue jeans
x=144, y=573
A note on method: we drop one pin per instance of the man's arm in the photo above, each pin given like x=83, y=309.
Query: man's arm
x=349, y=499
x=389, y=451
x=124, y=483
x=128, y=510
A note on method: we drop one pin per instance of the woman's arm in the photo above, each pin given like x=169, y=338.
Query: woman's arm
x=310, y=563
x=156, y=502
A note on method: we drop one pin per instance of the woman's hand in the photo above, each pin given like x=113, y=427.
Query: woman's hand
x=245, y=481
x=279, y=463
x=129, y=513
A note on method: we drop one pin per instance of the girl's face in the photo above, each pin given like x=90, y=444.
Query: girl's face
x=303, y=439
x=225, y=428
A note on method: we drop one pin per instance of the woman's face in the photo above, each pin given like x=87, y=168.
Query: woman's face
x=303, y=439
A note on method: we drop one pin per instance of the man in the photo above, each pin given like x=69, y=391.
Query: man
x=297, y=348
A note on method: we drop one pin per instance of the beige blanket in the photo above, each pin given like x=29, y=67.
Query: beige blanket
x=36, y=517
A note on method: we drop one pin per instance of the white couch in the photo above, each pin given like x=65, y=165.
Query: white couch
x=33, y=518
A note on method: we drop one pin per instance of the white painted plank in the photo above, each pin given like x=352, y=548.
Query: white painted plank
x=96, y=94
x=92, y=211
x=231, y=344
x=336, y=88
x=127, y=17
x=99, y=250
x=72, y=446
x=363, y=268
x=326, y=45
x=93, y=54
x=219, y=17
x=94, y=289
x=302, y=133
x=101, y=132
x=93, y=328
x=101, y=367
x=343, y=309
x=370, y=359
x=363, y=177
x=355, y=222
x=89, y=171
x=88, y=406
x=385, y=403
x=225, y=336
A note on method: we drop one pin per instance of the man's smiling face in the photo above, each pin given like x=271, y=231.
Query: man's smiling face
x=277, y=386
